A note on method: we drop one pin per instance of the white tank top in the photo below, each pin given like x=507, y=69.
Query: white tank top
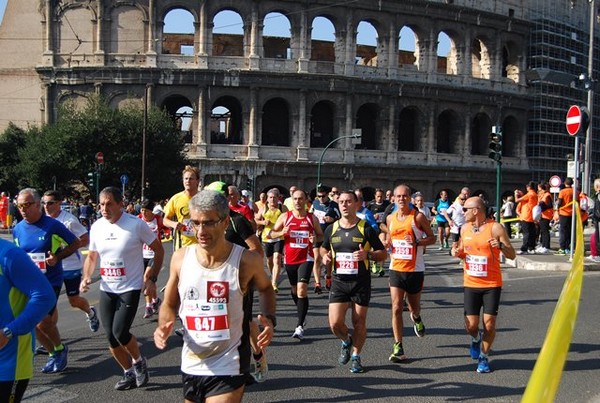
x=212, y=311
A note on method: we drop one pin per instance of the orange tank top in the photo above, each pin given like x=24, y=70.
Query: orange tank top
x=482, y=261
x=405, y=257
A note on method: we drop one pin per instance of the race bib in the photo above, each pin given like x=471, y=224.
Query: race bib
x=299, y=239
x=188, y=228
x=320, y=214
x=113, y=271
x=402, y=250
x=206, y=322
x=147, y=252
x=39, y=259
x=477, y=266
x=345, y=263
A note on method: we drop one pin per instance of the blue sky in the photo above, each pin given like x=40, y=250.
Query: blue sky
x=2, y=7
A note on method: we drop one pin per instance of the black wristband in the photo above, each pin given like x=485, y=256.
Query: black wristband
x=154, y=279
x=273, y=320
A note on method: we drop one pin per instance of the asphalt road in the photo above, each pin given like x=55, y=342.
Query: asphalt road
x=439, y=367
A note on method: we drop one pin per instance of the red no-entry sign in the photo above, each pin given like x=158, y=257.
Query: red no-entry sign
x=574, y=118
x=99, y=157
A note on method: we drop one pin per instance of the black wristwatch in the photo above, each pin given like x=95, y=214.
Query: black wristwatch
x=7, y=333
x=154, y=279
x=273, y=320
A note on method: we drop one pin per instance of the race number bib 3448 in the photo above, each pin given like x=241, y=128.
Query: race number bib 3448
x=477, y=266
x=113, y=270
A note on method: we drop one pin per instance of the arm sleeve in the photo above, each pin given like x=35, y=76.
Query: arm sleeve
x=27, y=278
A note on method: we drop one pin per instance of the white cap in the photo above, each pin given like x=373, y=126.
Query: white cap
x=245, y=193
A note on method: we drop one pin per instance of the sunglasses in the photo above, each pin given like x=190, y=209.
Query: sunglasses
x=465, y=209
x=49, y=202
x=22, y=206
x=320, y=196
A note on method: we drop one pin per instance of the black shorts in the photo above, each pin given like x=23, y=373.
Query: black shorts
x=57, y=293
x=358, y=292
x=198, y=388
x=442, y=224
x=409, y=281
x=72, y=285
x=475, y=298
x=455, y=237
x=299, y=273
x=273, y=247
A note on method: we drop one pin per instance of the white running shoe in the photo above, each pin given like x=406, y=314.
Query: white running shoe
x=298, y=333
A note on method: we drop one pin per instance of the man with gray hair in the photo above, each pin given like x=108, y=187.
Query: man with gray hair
x=37, y=235
x=207, y=288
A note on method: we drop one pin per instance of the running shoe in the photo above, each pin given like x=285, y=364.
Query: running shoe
x=560, y=252
x=148, y=312
x=374, y=268
x=475, y=348
x=41, y=350
x=483, y=367
x=127, y=382
x=567, y=251
x=156, y=305
x=49, y=367
x=92, y=319
x=345, y=352
x=356, y=367
x=140, y=370
x=261, y=368
x=298, y=333
x=397, y=353
x=61, y=359
x=419, y=326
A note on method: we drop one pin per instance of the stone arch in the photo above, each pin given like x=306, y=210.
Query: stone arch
x=448, y=57
x=78, y=99
x=76, y=30
x=449, y=129
x=226, y=121
x=228, y=39
x=367, y=119
x=322, y=122
x=178, y=41
x=276, y=123
x=173, y=103
x=409, y=129
x=127, y=29
x=480, y=58
x=277, y=42
x=511, y=135
x=121, y=99
x=407, y=47
x=367, y=39
x=510, y=61
x=481, y=126
x=322, y=48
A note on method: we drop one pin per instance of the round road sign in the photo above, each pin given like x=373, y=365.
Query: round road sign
x=573, y=120
x=555, y=181
x=99, y=157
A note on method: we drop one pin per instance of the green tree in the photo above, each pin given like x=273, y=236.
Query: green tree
x=11, y=141
x=66, y=150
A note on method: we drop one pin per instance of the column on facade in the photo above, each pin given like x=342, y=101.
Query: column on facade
x=46, y=103
x=253, y=33
x=467, y=69
x=392, y=51
x=430, y=140
x=348, y=151
x=202, y=137
x=49, y=50
x=253, y=147
x=200, y=30
x=302, y=150
x=151, y=47
x=350, y=48
x=468, y=140
x=392, y=131
x=383, y=42
x=431, y=51
x=303, y=43
x=99, y=27
x=496, y=58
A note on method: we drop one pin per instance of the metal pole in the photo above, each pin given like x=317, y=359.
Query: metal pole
x=323, y=154
x=575, y=200
x=98, y=169
x=498, y=186
x=144, y=129
x=587, y=169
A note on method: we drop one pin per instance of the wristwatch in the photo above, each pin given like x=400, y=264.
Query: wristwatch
x=154, y=279
x=273, y=320
x=7, y=333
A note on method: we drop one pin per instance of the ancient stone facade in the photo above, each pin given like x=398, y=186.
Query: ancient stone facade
x=425, y=119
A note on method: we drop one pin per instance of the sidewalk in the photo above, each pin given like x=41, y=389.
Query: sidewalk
x=551, y=262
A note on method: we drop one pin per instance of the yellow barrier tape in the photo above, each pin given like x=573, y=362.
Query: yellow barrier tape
x=547, y=372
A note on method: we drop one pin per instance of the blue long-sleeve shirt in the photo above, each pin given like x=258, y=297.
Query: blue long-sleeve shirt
x=26, y=296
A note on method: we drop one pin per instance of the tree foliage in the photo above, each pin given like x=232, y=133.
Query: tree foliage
x=66, y=150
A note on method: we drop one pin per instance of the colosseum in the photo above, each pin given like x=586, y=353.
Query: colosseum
x=264, y=110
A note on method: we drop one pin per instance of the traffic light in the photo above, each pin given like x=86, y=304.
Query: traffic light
x=249, y=184
x=496, y=144
x=91, y=179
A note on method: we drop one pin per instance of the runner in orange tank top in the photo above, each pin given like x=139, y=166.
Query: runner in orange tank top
x=480, y=245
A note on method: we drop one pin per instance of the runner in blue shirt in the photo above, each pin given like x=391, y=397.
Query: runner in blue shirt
x=25, y=296
x=47, y=242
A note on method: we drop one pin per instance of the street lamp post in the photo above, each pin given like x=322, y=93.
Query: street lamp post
x=587, y=169
x=355, y=135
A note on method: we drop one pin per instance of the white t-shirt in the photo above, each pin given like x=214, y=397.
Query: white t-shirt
x=72, y=262
x=458, y=217
x=120, y=248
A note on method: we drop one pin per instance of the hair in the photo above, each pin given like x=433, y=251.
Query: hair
x=147, y=204
x=55, y=194
x=532, y=185
x=323, y=188
x=210, y=200
x=191, y=169
x=569, y=181
x=115, y=192
x=33, y=192
x=350, y=192
x=544, y=186
x=273, y=191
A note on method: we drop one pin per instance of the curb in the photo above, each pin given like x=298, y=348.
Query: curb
x=529, y=264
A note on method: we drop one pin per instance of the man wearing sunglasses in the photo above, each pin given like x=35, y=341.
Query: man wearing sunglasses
x=73, y=264
x=44, y=240
x=480, y=245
